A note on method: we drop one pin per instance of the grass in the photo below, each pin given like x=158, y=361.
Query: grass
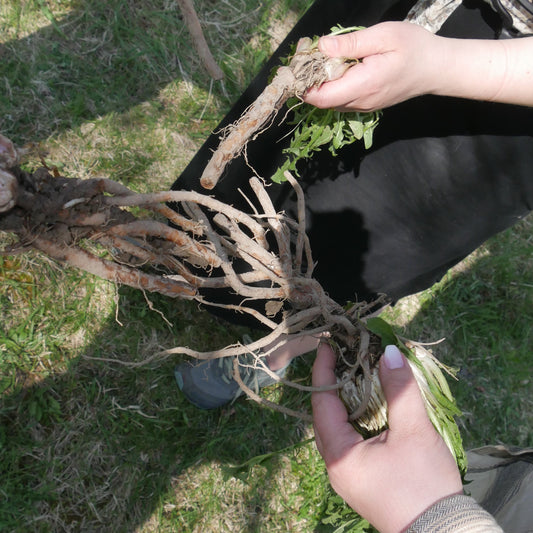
x=114, y=88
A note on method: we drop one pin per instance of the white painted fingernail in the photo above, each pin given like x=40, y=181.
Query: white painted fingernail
x=393, y=357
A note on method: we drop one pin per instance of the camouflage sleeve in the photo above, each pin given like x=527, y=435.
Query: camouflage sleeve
x=455, y=513
x=517, y=15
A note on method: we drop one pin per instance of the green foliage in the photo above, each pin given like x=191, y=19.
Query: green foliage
x=343, y=519
x=385, y=332
x=317, y=128
x=440, y=403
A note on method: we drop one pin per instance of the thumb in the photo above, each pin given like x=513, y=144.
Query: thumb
x=404, y=399
x=339, y=45
x=354, y=45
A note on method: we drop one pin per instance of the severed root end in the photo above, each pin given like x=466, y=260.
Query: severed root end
x=8, y=191
x=9, y=157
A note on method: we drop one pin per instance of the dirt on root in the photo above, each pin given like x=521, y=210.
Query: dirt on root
x=58, y=207
x=348, y=358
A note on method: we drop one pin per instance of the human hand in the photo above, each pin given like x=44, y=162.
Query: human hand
x=394, y=477
x=398, y=61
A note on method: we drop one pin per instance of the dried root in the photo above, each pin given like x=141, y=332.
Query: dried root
x=88, y=224
x=308, y=68
x=195, y=29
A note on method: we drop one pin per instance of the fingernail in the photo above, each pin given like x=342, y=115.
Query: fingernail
x=328, y=44
x=393, y=357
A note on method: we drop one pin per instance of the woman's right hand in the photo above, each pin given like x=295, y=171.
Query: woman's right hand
x=396, y=63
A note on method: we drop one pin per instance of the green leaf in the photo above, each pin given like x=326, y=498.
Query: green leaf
x=357, y=128
x=368, y=138
x=339, y=30
x=337, y=135
x=240, y=470
x=383, y=330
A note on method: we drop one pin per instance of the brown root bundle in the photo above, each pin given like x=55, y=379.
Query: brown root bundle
x=89, y=224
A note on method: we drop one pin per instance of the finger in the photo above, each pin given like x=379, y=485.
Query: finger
x=324, y=367
x=406, y=406
x=356, y=82
x=333, y=431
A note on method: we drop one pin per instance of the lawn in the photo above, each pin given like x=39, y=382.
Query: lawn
x=89, y=439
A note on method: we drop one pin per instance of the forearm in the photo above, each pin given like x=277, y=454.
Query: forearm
x=498, y=71
x=400, y=60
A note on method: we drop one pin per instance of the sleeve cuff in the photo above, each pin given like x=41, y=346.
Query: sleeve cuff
x=457, y=514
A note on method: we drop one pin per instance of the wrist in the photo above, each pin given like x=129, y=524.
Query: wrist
x=468, y=68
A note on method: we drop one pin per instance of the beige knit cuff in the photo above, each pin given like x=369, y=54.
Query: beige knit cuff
x=455, y=514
